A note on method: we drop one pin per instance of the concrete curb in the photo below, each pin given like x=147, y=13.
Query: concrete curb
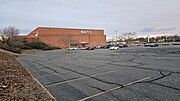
x=11, y=53
x=37, y=81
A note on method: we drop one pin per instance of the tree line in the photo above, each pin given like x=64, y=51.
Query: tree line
x=129, y=37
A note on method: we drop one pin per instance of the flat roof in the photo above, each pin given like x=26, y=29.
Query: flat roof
x=68, y=28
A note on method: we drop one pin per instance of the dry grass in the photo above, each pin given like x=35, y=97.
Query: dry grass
x=16, y=83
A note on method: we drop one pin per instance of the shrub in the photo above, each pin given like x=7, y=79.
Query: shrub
x=11, y=48
x=16, y=49
x=15, y=43
x=25, y=47
x=5, y=46
x=56, y=47
x=1, y=43
x=37, y=45
x=47, y=48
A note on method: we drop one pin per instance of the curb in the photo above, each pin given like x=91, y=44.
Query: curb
x=37, y=81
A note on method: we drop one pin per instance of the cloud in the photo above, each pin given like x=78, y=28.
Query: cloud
x=151, y=29
x=147, y=29
x=166, y=29
x=111, y=15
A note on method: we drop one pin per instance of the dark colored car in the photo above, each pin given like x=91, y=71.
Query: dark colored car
x=151, y=45
x=122, y=45
x=90, y=48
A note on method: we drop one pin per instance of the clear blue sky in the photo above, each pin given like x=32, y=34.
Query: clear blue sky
x=142, y=16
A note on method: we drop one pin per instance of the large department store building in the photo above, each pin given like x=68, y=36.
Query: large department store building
x=64, y=37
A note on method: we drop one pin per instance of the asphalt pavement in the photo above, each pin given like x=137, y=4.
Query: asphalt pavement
x=126, y=74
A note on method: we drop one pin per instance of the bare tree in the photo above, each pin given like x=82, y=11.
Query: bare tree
x=128, y=37
x=68, y=41
x=8, y=32
x=111, y=39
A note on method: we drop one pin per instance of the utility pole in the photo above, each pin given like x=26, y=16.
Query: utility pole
x=148, y=38
x=116, y=36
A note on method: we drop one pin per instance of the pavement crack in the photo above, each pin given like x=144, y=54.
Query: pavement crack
x=47, y=67
x=158, y=78
x=138, y=67
x=119, y=87
x=92, y=77
x=97, y=88
x=165, y=86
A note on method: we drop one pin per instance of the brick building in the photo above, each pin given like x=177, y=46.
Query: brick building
x=64, y=37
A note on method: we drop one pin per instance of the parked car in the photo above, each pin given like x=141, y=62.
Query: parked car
x=72, y=48
x=125, y=45
x=120, y=46
x=108, y=46
x=90, y=48
x=98, y=47
x=151, y=45
x=82, y=48
x=114, y=48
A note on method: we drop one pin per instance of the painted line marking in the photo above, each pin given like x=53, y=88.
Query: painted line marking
x=80, y=78
x=128, y=84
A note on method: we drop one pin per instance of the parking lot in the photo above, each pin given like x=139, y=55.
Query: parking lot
x=126, y=74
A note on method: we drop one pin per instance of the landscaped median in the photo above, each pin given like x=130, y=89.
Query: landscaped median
x=17, y=84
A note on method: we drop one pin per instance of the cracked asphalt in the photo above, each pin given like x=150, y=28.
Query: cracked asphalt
x=83, y=74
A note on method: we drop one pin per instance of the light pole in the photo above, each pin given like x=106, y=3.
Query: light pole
x=116, y=36
x=148, y=38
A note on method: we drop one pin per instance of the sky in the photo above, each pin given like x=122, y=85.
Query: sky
x=145, y=17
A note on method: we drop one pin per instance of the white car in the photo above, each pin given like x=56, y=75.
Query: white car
x=114, y=48
x=72, y=48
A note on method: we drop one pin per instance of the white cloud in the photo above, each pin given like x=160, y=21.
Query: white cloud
x=111, y=15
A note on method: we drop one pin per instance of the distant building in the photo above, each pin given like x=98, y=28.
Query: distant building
x=64, y=37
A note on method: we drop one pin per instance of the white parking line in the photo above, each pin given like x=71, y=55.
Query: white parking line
x=128, y=84
x=80, y=78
